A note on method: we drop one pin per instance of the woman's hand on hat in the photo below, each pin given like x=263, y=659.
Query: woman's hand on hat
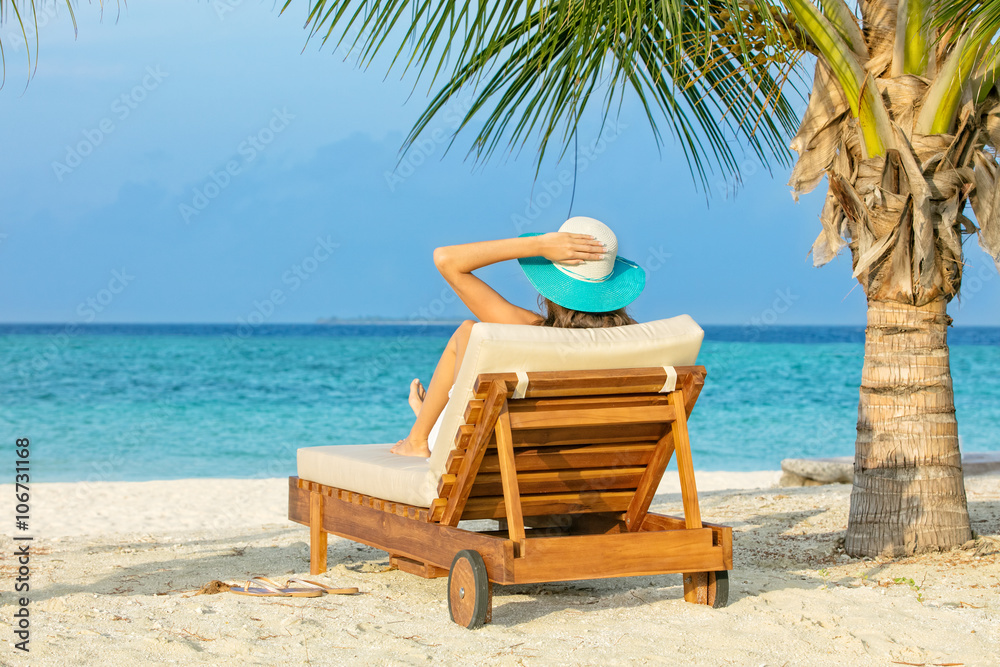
x=569, y=248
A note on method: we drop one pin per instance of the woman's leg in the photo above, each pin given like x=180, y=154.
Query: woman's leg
x=415, y=444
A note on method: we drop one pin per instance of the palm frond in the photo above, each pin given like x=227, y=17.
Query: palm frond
x=856, y=83
x=940, y=107
x=26, y=13
x=533, y=67
x=978, y=19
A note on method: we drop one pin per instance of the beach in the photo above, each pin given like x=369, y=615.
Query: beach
x=230, y=249
x=165, y=468
x=115, y=567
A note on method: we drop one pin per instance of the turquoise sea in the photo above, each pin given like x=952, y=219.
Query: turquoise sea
x=142, y=402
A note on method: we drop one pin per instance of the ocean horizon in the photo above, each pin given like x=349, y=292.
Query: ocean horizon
x=130, y=402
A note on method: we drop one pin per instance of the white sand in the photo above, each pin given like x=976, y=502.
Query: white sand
x=114, y=564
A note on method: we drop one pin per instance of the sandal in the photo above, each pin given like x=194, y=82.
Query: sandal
x=305, y=584
x=264, y=587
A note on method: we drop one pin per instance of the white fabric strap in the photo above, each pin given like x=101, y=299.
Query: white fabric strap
x=579, y=276
x=522, y=385
x=671, y=382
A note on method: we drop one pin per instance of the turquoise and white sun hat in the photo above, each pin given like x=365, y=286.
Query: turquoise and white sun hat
x=595, y=286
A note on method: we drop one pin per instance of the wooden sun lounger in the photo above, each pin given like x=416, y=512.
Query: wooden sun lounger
x=569, y=470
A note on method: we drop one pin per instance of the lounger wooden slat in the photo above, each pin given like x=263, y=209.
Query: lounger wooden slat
x=317, y=559
x=579, y=457
x=691, y=385
x=722, y=536
x=586, y=417
x=446, y=484
x=494, y=402
x=492, y=507
x=562, y=481
x=473, y=410
x=455, y=461
x=651, y=476
x=463, y=436
x=583, y=383
x=550, y=480
x=436, y=510
x=425, y=570
x=655, y=414
x=574, y=434
x=682, y=447
x=574, y=457
x=313, y=489
x=509, y=482
x=597, y=556
x=602, y=434
x=584, y=402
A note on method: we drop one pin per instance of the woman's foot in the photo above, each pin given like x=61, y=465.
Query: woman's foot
x=417, y=394
x=411, y=446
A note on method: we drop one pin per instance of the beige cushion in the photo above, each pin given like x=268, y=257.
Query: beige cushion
x=498, y=348
x=372, y=470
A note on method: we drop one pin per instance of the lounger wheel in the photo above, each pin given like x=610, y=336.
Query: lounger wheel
x=470, y=594
x=711, y=588
x=718, y=589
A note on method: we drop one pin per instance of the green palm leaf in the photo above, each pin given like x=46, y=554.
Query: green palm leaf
x=534, y=67
x=979, y=19
x=23, y=10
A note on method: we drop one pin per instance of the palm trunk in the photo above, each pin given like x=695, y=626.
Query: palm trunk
x=909, y=493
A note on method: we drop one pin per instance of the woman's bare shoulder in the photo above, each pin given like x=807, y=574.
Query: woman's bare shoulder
x=521, y=316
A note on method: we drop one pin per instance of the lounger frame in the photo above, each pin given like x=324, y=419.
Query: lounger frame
x=578, y=457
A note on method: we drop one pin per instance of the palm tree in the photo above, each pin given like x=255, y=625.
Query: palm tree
x=904, y=127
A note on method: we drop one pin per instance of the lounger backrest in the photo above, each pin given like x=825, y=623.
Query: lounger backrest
x=504, y=348
x=580, y=442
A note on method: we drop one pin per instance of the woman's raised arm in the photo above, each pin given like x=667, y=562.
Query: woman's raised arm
x=456, y=263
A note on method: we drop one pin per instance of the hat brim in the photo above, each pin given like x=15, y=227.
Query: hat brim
x=620, y=289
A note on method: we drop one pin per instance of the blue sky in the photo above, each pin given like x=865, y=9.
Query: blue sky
x=190, y=163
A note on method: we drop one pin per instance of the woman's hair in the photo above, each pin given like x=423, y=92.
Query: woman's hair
x=566, y=318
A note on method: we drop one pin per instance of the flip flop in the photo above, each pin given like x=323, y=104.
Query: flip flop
x=305, y=584
x=265, y=588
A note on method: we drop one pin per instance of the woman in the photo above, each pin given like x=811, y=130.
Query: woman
x=580, y=279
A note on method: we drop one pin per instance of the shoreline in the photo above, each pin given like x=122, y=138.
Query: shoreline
x=974, y=463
